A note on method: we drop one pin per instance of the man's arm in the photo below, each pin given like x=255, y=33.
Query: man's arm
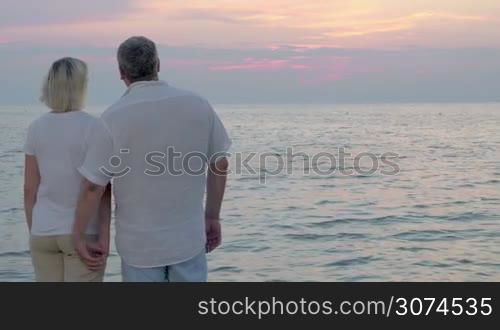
x=98, y=154
x=104, y=220
x=216, y=184
x=31, y=184
x=88, y=204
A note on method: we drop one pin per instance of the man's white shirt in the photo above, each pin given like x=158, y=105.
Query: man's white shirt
x=155, y=141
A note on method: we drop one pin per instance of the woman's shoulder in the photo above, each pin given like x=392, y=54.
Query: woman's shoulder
x=86, y=118
x=90, y=122
x=87, y=115
x=39, y=120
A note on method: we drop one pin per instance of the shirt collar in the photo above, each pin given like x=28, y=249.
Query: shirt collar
x=140, y=84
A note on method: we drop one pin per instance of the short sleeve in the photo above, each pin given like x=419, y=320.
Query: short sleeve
x=219, y=141
x=98, y=154
x=29, y=145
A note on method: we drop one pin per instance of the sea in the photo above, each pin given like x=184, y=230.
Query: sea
x=338, y=192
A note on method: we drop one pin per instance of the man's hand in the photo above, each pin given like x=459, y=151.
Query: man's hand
x=216, y=183
x=214, y=233
x=99, y=248
x=93, y=254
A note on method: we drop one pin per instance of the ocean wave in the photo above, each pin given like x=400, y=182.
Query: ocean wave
x=428, y=235
x=25, y=253
x=352, y=262
x=11, y=209
x=342, y=221
x=314, y=237
x=229, y=269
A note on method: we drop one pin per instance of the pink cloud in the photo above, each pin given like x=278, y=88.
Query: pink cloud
x=309, y=70
x=326, y=69
x=334, y=68
x=306, y=70
x=246, y=64
x=100, y=59
x=190, y=63
x=252, y=64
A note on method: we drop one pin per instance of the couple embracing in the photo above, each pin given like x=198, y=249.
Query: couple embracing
x=75, y=163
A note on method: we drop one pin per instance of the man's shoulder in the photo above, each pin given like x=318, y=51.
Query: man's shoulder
x=112, y=108
x=194, y=101
x=175, y=91
x=170, y=93
x=110, y=112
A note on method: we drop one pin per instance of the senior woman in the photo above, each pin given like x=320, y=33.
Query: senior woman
x=55, y=148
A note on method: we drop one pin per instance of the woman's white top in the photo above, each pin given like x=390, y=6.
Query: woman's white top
x=59, y=143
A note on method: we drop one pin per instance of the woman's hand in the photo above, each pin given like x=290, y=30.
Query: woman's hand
x=101, y=247
x=93, y=254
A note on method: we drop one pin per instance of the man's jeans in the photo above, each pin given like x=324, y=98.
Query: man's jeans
x=192, y=270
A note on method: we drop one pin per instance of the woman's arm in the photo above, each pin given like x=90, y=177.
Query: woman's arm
x=31, y=184
x=104, y=218
x=88, y=204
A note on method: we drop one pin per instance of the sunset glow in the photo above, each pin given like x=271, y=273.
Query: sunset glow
x=289, y=44
x=358, y=23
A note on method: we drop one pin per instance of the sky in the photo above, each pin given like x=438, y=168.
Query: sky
x=265, y=51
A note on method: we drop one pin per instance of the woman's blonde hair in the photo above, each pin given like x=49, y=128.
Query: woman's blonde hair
x=65, y=87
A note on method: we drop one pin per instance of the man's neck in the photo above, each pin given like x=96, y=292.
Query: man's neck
x=128, y=82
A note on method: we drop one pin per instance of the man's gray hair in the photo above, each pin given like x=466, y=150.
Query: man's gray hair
x=138, y=58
